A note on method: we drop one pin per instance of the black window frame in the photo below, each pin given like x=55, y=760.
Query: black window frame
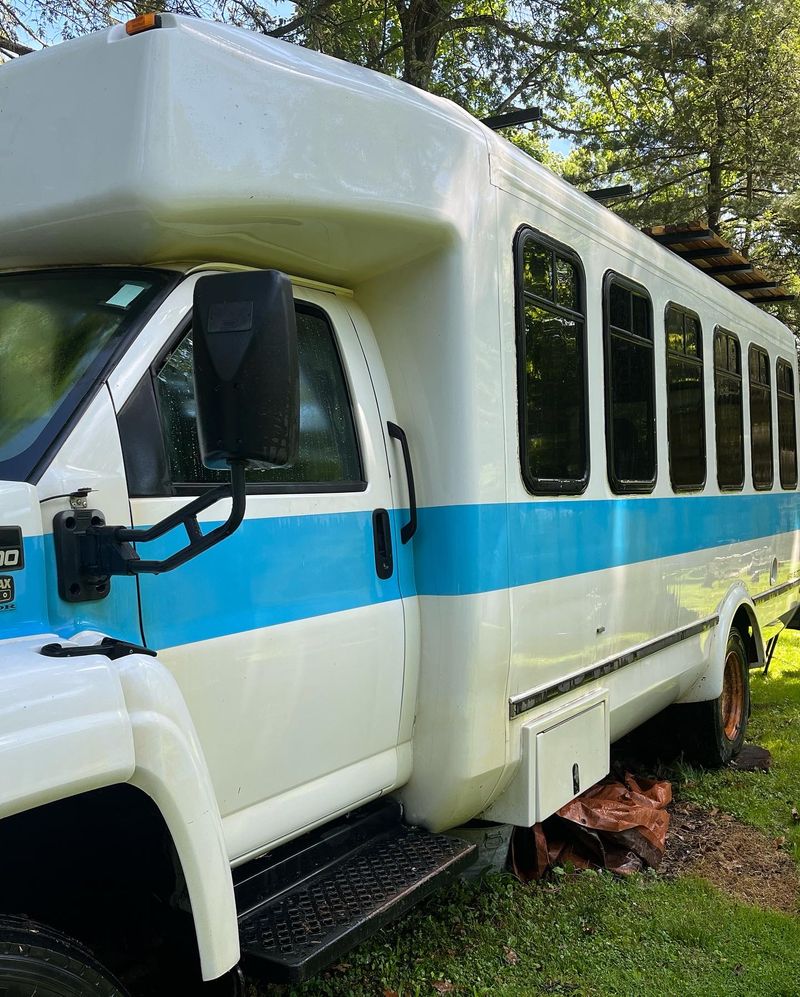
x=727, y=372
x=792, y=396
x=144, y=449
x=549, y=486
x=755, y=348
x=698, y=361
x=622, y=486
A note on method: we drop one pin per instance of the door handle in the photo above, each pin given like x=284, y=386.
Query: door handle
x=408, y=530
x=382, y=537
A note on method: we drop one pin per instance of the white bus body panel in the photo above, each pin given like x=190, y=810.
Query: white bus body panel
x=524, y=631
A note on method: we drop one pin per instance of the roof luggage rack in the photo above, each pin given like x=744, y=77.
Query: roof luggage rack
x=717, y=258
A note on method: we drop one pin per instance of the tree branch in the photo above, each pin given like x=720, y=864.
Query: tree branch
x=9, y=45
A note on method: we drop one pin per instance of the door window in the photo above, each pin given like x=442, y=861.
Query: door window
x=328, y=446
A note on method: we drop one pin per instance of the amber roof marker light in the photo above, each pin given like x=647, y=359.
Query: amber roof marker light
x=144, y=22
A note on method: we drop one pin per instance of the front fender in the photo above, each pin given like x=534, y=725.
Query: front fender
x=64, y=725
x=69, y=725
x=171, y=769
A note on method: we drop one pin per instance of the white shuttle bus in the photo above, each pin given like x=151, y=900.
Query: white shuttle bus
x=358, y=478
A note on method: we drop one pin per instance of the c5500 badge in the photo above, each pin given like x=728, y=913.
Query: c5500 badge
x=12, y=553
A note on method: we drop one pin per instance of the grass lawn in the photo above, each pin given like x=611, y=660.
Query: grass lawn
x=594, y=934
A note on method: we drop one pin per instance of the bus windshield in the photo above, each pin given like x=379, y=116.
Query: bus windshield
x=59, y=331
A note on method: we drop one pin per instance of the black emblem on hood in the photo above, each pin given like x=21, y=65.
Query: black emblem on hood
x=12, y=553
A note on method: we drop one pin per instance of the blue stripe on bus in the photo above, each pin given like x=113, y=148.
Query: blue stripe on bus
x=288, y=568
x=480, y=548
x=270, y=571
x=278, y=570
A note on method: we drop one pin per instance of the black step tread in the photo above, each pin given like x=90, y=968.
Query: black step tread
x=305, y=927
x=287, y=866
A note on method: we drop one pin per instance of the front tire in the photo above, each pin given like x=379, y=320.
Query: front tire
x=37, y=961
x=716, y=729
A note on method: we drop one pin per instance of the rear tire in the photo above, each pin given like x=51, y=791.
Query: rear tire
x=715, y=730
x=37, y=960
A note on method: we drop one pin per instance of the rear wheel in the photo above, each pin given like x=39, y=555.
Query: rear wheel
x=37, y=961
x=715, y=730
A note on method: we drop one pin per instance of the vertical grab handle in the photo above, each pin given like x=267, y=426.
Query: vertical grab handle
x=410, y=528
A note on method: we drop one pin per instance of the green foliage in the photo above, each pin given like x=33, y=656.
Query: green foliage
x=703, y=121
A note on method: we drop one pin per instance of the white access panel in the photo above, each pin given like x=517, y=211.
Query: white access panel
x=570, y=758
x=576, y=733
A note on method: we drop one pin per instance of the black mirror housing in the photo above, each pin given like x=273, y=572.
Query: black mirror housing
x=246, y=374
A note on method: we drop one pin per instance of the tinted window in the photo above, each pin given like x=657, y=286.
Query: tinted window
x=728, y=410
x=760, y=418
x=553, y=427
x=787, y=436
x=630, y=405
x=328, y=449
x=685, y=410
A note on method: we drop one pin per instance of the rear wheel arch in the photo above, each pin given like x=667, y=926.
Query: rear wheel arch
x=736, y=611
x=712, y=732
x=745, y=621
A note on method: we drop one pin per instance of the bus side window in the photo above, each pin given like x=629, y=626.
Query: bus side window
x=760, y=418
x=787, y=435
x=630, y=387
x=551, y=366
x=728, y=411
x=686, y=428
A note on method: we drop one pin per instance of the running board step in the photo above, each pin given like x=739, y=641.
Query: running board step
x=309, y=902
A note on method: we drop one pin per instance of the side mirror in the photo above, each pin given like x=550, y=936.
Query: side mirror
x=246, y=374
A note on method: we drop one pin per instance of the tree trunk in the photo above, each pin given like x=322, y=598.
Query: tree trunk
x=422, y=25
x=716, y=151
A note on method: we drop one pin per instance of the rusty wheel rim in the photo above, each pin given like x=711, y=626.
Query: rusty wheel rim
x=732, y=696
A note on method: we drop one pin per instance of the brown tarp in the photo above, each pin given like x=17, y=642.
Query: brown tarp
x=619, y=824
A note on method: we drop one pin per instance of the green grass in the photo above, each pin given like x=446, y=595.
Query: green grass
x=588, y=934
x=593, y=934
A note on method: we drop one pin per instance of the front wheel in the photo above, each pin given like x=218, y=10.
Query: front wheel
x=715, y=730
x=37, y=961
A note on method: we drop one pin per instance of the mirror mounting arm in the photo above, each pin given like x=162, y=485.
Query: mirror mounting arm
x=88, y=552
x=187, y=516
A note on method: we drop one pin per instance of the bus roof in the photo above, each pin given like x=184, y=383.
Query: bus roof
x=197, y=141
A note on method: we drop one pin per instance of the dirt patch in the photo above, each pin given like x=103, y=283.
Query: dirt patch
x=739, y=860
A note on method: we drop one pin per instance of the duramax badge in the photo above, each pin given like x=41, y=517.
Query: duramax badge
x=6, y=590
